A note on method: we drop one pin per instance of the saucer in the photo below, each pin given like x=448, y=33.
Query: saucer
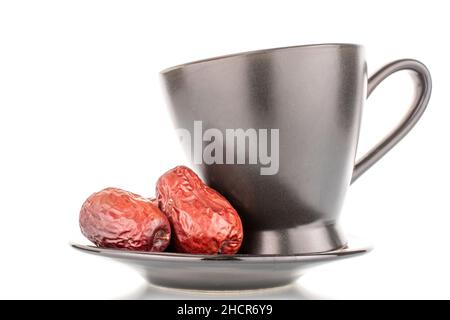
x=223, y=272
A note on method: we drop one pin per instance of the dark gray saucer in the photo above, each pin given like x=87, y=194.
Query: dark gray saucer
x=223, y=272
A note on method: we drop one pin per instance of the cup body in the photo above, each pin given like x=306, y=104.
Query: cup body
x=304, y=106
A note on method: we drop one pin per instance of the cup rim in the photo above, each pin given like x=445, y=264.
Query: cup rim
x=254, y=52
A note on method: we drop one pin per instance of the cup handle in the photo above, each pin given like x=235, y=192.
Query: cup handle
x=423, y=85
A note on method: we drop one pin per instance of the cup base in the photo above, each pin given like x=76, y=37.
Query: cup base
x=305, y=239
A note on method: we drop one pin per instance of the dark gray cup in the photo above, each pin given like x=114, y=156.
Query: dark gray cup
x=313, y=97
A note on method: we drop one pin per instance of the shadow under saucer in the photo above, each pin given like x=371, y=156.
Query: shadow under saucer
x=289, y=292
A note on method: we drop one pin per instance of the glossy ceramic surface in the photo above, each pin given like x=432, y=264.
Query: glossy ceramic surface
x=222, y=272
x=314, y=96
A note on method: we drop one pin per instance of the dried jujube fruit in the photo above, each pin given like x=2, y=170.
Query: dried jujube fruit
x=202, y=220
x=115, y=218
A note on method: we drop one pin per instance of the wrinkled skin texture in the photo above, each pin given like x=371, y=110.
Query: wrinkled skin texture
x=115, y=218
x=202, y=220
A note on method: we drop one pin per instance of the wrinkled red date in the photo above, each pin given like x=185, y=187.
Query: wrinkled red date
x=115, y=218
x=202, y=220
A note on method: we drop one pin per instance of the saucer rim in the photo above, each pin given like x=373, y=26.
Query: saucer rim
x=348, y=250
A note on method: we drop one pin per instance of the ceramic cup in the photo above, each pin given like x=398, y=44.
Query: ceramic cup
x=275, y=131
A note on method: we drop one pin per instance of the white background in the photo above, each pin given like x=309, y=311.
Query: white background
x=81, y=108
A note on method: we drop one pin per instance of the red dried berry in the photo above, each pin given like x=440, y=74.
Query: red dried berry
x=115, y=218
x=202, y=220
